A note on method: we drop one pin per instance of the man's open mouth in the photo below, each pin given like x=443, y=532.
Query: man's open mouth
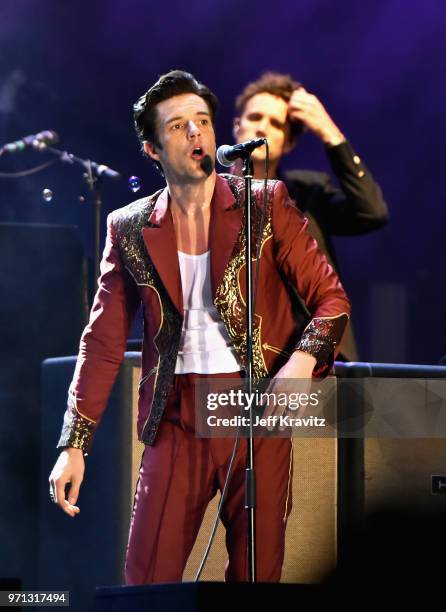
x=197, y=153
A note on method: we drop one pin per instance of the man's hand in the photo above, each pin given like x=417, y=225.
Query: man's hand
x=299, y=366
x=69, y=468
x=308, y=109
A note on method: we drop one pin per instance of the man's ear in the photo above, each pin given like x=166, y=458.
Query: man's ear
x=150, y=150
x=236, y=128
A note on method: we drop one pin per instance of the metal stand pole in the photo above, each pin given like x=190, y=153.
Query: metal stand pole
x=250, y=480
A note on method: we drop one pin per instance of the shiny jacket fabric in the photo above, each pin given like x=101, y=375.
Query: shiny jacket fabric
x=357, y=208
x=140, y=265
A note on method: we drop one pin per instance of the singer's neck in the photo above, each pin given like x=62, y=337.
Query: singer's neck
x=190, y=206
x=191, y=198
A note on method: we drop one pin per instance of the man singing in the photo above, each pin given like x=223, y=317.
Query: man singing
x=180, y=252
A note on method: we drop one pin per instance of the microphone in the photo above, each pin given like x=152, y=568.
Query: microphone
x=38, y=141
x=227, y=154
x=207, y=165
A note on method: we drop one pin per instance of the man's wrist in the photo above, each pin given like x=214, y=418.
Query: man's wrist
x=72, y=450
x=333, y=138
x=303, y=359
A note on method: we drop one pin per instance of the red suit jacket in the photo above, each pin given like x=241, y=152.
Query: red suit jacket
x=140, y=265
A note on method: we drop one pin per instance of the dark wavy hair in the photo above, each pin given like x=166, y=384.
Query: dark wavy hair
x=276, y=84
x=173, y=83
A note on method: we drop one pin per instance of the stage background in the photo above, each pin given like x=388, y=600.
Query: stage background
x=377, y=66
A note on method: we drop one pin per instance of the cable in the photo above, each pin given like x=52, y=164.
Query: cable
x=28, y=172
x=219, y=509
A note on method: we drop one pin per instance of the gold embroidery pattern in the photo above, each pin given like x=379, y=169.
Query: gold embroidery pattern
x=228, y=300
x=77, y=431
x=167, y=343
x=129, y=226
x=321, y=336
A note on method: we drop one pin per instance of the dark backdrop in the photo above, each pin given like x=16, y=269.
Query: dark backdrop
x=377, y=66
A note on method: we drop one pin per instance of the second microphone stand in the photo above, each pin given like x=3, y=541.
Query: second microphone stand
x=93, y=173
x=92, y=180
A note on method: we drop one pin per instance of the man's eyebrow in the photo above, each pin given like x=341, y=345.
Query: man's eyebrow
x=206, y=113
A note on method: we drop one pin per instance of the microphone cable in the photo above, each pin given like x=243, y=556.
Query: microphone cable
x=33, y=170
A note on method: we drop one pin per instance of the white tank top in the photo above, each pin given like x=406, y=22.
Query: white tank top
x=205, y=346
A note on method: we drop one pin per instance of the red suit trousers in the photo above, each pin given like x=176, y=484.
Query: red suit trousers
x=178, y=477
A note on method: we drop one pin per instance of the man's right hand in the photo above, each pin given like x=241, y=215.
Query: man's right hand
x=308, y=109
x=69, y=468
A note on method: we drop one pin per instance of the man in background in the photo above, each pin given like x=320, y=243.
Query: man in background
x=279, y=108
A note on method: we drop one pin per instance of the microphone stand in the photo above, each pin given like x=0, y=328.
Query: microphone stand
x=250, y=480
x=92, y=180
x=93, y=173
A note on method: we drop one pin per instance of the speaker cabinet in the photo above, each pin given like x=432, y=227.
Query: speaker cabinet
x=407, y=473
x=404, y=472
x=334, y=482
